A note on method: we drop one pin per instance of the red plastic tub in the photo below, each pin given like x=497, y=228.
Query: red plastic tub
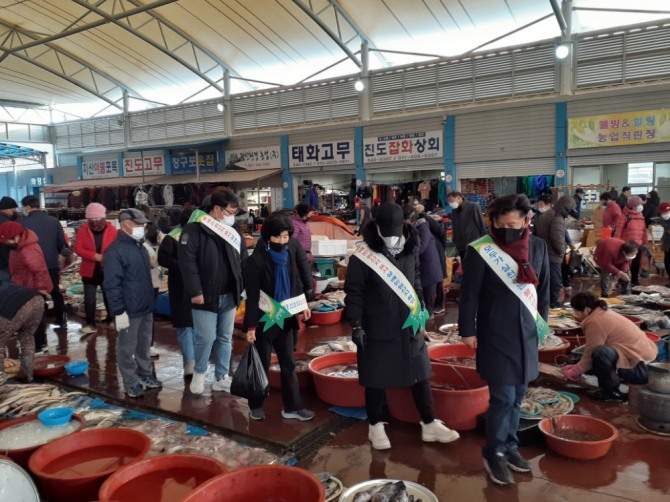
x=21, y=455
x=325, y=318
x=575, y=448
x=71, y=469
x=49, y=365
x=337, y=391
x=165, y=478
x=549, y=355
x=636, y=320
x=261, y=483
x=458, y=409
x=653, y=337
x=575, y=340
x=438, y=353
x=305, y=380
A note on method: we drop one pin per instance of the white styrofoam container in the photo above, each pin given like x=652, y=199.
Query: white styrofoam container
x=334, y=247
x=656, y=231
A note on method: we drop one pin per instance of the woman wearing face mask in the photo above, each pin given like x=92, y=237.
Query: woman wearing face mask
x=616, y=349
x=301, y=230
x=92, y=240
x=273, y=270
x=631, y=227
x=390, y=354
x=664, y=212
x=502, y=310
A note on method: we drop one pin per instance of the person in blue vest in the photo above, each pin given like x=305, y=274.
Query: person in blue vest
x=498, y=318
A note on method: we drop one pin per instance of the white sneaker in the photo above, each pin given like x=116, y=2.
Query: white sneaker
x=189, y=368
x=378, y=438
x=222, y=384
x=437, y=431
x=153, y=352
x=88, y=330
x=198, y=383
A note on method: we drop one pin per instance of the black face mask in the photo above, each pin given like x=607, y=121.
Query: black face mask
x=277, y=247
x=14, y=216
x=508, y=235
x=13, y=245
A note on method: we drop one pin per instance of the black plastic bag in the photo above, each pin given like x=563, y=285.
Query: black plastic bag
x=575, y=263
x=250, y=380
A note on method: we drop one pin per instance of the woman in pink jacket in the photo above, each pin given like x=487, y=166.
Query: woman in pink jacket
x=616, y=349
x=301, y=229
x=631, y=227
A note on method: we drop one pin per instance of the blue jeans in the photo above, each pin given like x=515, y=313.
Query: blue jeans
x=185, y=339
x=502, y=418
x=214, y=329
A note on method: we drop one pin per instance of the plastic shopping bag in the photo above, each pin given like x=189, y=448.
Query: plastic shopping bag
x=250, y=380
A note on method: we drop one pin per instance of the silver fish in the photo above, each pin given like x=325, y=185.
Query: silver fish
x=389, y=492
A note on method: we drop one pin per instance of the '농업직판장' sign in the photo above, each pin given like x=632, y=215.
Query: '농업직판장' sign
x=631, y=128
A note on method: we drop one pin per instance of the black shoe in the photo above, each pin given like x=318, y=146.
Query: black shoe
x=257, y=414
x=498, y=470
x=556, y=305
x=516, y=462
x=607, y=395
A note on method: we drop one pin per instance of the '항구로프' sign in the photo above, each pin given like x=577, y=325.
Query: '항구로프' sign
x=398, y=147
x=264, y=157
x=326, y=153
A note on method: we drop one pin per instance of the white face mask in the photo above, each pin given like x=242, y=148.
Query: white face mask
x=542, y=209
x=453, y=205
x=138, y=233
x=390, y=242
x=665, y=216
x=229, y=220
x=630, y=257
x=639, y=208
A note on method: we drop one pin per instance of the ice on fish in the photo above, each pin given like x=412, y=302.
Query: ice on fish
x=33, y=433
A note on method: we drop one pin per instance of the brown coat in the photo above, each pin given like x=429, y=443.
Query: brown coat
x=605, y=327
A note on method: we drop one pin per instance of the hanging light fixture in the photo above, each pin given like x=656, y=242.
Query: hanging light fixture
x=562, y=50
x=359, y=85
x=220, y=107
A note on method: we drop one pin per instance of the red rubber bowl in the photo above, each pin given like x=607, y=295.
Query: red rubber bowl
x=261, y=483
x=21, y=455
x=458, y=350
x=337, y=391
x=325, y=318
x=305, y=380
x=636, y=320
x=577, y=339
x=653, y=337
x=49, y=365
x=71, y=469
x=584, y=450
x=168, y=478
x=549, y=355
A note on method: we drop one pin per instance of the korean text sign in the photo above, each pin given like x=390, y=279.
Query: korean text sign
x=265, y=157
x=399, y=147
x=632, y=128
x=325, y=153
x=100, y=168
x=150, y=162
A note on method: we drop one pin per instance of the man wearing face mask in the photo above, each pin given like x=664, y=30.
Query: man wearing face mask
x=664, y=213
x=503, y=309
x=92, y=240
x=8, y=212
x=467, y=222
x=543, y=204
x=614, y=257
x=211, y=253
x=631, y=227
x=130, y=296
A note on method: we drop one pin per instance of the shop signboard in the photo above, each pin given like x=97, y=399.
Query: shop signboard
x=264, y=157
x=632, y=128
x=143, y=164
x=94, y=168
x=326, y=153
x=403, y=147
x=40, y=181
x=183, y=161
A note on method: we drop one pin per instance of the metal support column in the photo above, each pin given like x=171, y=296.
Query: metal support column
x=287, y=177
x=449, y=142
x=567, y=65
x=561, y=177
x=366, y=93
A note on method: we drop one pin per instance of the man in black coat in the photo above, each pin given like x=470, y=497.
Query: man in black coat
x=52, y=241
x=467, y=222
x=494, y=320
x=622, y=199
x=441, y=244
x=389, y=355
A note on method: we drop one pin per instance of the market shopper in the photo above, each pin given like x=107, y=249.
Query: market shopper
x=551, y=229
x=651, y=207
x=579, y=203
x=502, y=310
x=467, y=222
x=616, y=349
x=91, y=242
x=613, y=257
x=301, y=230
x=180, y=303
x=622, y=199
x=152, y=239
x=211, y=254
x=612, y=210
x=390, y=355
x=429, y=259
x=21, y=310
x=273, y=269
x=441, y=245
x=8, y=212
x=664, y=212
x=130, y=296
x=631, y=227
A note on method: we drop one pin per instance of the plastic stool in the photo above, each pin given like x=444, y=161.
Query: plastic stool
x=325, y=266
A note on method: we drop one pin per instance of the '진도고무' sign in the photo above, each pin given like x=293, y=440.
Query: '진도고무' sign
x=631, y=128
x=326, y=153
x=398, y=147
x=147, y=163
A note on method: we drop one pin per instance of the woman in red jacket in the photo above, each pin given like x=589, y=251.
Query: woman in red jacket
x=92, y=240
x=631, y=227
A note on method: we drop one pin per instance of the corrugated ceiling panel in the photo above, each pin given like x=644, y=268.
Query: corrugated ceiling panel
x=342, y=90
x=647, y=67
x=317, y=113
x=291, y=98
x=498, y=169
x=293, y=115
x=237, y=143
x=179, y=114
x=323, y=135
x=268, y=101
x=600, y=47
x=245, y=121
x=420, y=76
x=594, y=74
x=648, y=99
x=535, y=82
x=88, y=140
x=139, y=120
x=320, y=93
x=214, y=125
x=621, y=155
x=421, y=98
x=648, y=40
x=267, y=119
x=390, y=101
x=456, y=71
x=175, y=130
x=157, y=133
x=189, y=113
x=244, y=104
x=386, y=82
x=490, y=88
x=87, y=127
x=493, y=65
x=193, y=129
x=343, y=109
x=102, y=140
x=116, y=138
x=140, y=135
x=456, y=93
x=156, y=117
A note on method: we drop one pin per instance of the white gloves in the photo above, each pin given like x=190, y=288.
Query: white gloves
x=122, y=322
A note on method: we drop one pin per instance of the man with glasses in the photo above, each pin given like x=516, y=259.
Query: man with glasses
x=211, y=253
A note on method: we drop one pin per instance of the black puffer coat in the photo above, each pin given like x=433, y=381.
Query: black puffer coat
x=393, y=357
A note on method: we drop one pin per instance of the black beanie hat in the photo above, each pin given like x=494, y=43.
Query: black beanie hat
x=389, y=219
x=7, y=203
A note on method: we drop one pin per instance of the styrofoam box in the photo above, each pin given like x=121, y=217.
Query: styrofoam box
x=329, y=247
x=657, y=231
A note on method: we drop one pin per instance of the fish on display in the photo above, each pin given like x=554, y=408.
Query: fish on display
x=386, y=492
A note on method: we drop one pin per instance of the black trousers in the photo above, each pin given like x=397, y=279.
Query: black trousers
x=555, y=283
x=430, y=297
x=604, y=361
x=375, y=402
x=565, y=273
x=56, y=295
x=282, y=341
x=666, y=262
x=439, y=296
x=90, y=303
x=635, y=269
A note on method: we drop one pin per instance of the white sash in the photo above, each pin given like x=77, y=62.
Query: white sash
x=226, y=232
x=294, y=305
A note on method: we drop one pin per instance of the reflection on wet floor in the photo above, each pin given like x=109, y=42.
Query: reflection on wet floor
x=637, y=467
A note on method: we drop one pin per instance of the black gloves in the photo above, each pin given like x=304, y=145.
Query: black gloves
x=359, y=337
x=310, y=295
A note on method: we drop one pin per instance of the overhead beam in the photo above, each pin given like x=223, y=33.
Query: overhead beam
x=559, y=14
x=625, y=11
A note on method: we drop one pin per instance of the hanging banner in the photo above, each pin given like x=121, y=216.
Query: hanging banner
x=327, y=153
x=93, y=168
x=398, y=147
x=151, y=163
x=183, y=161
x=264, y=157
x=633, y=128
